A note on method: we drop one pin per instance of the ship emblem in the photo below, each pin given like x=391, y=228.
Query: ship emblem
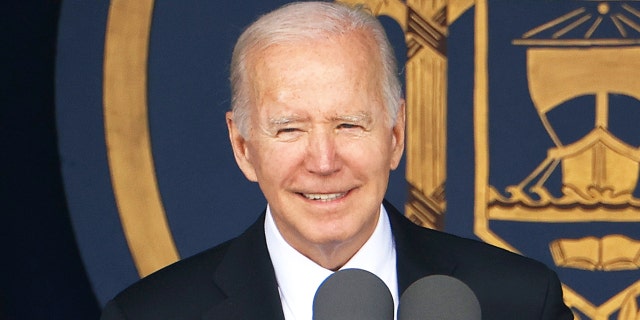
x=573, y=61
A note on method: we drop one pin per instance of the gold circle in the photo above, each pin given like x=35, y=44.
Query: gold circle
x=603, y=8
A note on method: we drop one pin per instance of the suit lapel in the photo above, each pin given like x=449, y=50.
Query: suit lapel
x=246, y=277
x=417, y=250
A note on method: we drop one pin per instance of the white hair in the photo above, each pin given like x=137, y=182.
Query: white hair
x=303, y=21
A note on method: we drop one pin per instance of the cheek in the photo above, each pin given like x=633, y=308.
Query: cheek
x=368, y=153
x=275, y=160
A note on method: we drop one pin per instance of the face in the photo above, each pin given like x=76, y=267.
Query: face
x=320, y=144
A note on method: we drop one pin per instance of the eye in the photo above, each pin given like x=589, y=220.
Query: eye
x=287, y=130
x=348, y=126
x=288, y=134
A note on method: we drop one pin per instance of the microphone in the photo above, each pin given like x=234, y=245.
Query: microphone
x=439, y=297
x=353, y=294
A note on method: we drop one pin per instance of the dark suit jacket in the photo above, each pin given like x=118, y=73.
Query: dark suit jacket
x=235, y=280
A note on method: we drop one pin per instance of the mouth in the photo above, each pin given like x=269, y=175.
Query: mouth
x=324, y=196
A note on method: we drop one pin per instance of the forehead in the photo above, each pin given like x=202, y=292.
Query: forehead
x=355, y=50
x=334, y=66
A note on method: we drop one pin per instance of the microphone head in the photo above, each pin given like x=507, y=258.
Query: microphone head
x=353, y=294
x=439, y=297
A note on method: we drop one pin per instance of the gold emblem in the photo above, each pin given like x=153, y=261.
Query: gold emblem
x=599, y=171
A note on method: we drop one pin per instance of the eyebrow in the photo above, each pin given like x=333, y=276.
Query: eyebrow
x=360, y=117
x=284, y=120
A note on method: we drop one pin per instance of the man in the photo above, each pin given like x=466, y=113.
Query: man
x=317, y=121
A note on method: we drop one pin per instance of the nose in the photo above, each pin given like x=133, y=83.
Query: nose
x=322, y=155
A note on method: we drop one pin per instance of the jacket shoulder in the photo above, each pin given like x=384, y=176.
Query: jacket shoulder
x=504, y=282
x=182, y=290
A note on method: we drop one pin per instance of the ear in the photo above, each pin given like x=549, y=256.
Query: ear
x=240, y=149
x=398, y=133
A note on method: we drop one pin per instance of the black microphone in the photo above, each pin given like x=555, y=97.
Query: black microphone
x=439, y=297
x=353, y=294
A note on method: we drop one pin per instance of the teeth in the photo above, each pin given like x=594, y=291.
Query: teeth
x=323, y=196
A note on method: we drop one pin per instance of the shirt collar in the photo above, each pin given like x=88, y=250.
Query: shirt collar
x=298, y=277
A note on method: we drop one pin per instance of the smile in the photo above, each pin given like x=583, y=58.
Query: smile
x=324, y=196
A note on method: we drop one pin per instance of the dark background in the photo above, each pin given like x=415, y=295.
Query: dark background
x=42, y=274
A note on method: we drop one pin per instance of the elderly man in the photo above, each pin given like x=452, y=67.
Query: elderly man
x=318, y=122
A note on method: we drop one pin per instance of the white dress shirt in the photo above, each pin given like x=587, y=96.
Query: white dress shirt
x=298, y=277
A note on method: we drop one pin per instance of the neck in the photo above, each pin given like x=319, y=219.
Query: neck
x=333, y=256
